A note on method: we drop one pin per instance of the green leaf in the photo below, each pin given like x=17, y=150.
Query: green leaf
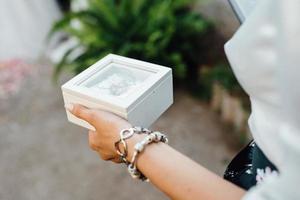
x=166, y=32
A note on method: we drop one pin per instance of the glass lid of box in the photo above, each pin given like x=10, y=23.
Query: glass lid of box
x=116, y=80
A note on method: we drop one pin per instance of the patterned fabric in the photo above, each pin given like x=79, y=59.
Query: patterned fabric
x=249, y=167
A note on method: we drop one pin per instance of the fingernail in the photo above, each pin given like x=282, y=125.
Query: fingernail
x=69, y=107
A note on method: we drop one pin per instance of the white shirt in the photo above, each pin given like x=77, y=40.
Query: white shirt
x=265, y=57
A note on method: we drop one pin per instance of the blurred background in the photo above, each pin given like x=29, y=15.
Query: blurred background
x=45, y=43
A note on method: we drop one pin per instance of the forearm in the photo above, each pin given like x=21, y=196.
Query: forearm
x=180, y=177
x=173, y=173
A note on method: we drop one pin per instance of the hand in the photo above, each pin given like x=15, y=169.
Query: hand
x=107, y=125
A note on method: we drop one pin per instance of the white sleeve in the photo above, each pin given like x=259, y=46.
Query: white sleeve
x=287, y=185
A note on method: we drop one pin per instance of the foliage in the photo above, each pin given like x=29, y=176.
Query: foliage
x=166, y=32
x=222, y=74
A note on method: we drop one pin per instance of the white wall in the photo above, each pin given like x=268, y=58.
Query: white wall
x=24, y=26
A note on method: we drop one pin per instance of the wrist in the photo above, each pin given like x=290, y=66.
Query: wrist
x=131, y=143
x=134, y=141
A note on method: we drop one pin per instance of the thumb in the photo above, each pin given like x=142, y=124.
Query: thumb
x=81, y=112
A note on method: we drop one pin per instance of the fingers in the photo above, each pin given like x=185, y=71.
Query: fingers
x=92, y=141
x=81, y=112
x=116, y=160
x=106, y=157
x=94, y=145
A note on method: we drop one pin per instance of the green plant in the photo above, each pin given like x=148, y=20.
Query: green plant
x=166, y=32
x=223, y=74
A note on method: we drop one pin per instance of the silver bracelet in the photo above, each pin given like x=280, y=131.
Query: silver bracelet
x=124, y=135
x=138, y=148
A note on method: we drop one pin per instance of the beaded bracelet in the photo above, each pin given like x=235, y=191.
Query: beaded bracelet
x=124, y=135
x=138, y=148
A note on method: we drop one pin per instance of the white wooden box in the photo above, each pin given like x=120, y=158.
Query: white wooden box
x=135, y=90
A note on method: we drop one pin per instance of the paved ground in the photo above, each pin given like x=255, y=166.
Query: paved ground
x=42, y=156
